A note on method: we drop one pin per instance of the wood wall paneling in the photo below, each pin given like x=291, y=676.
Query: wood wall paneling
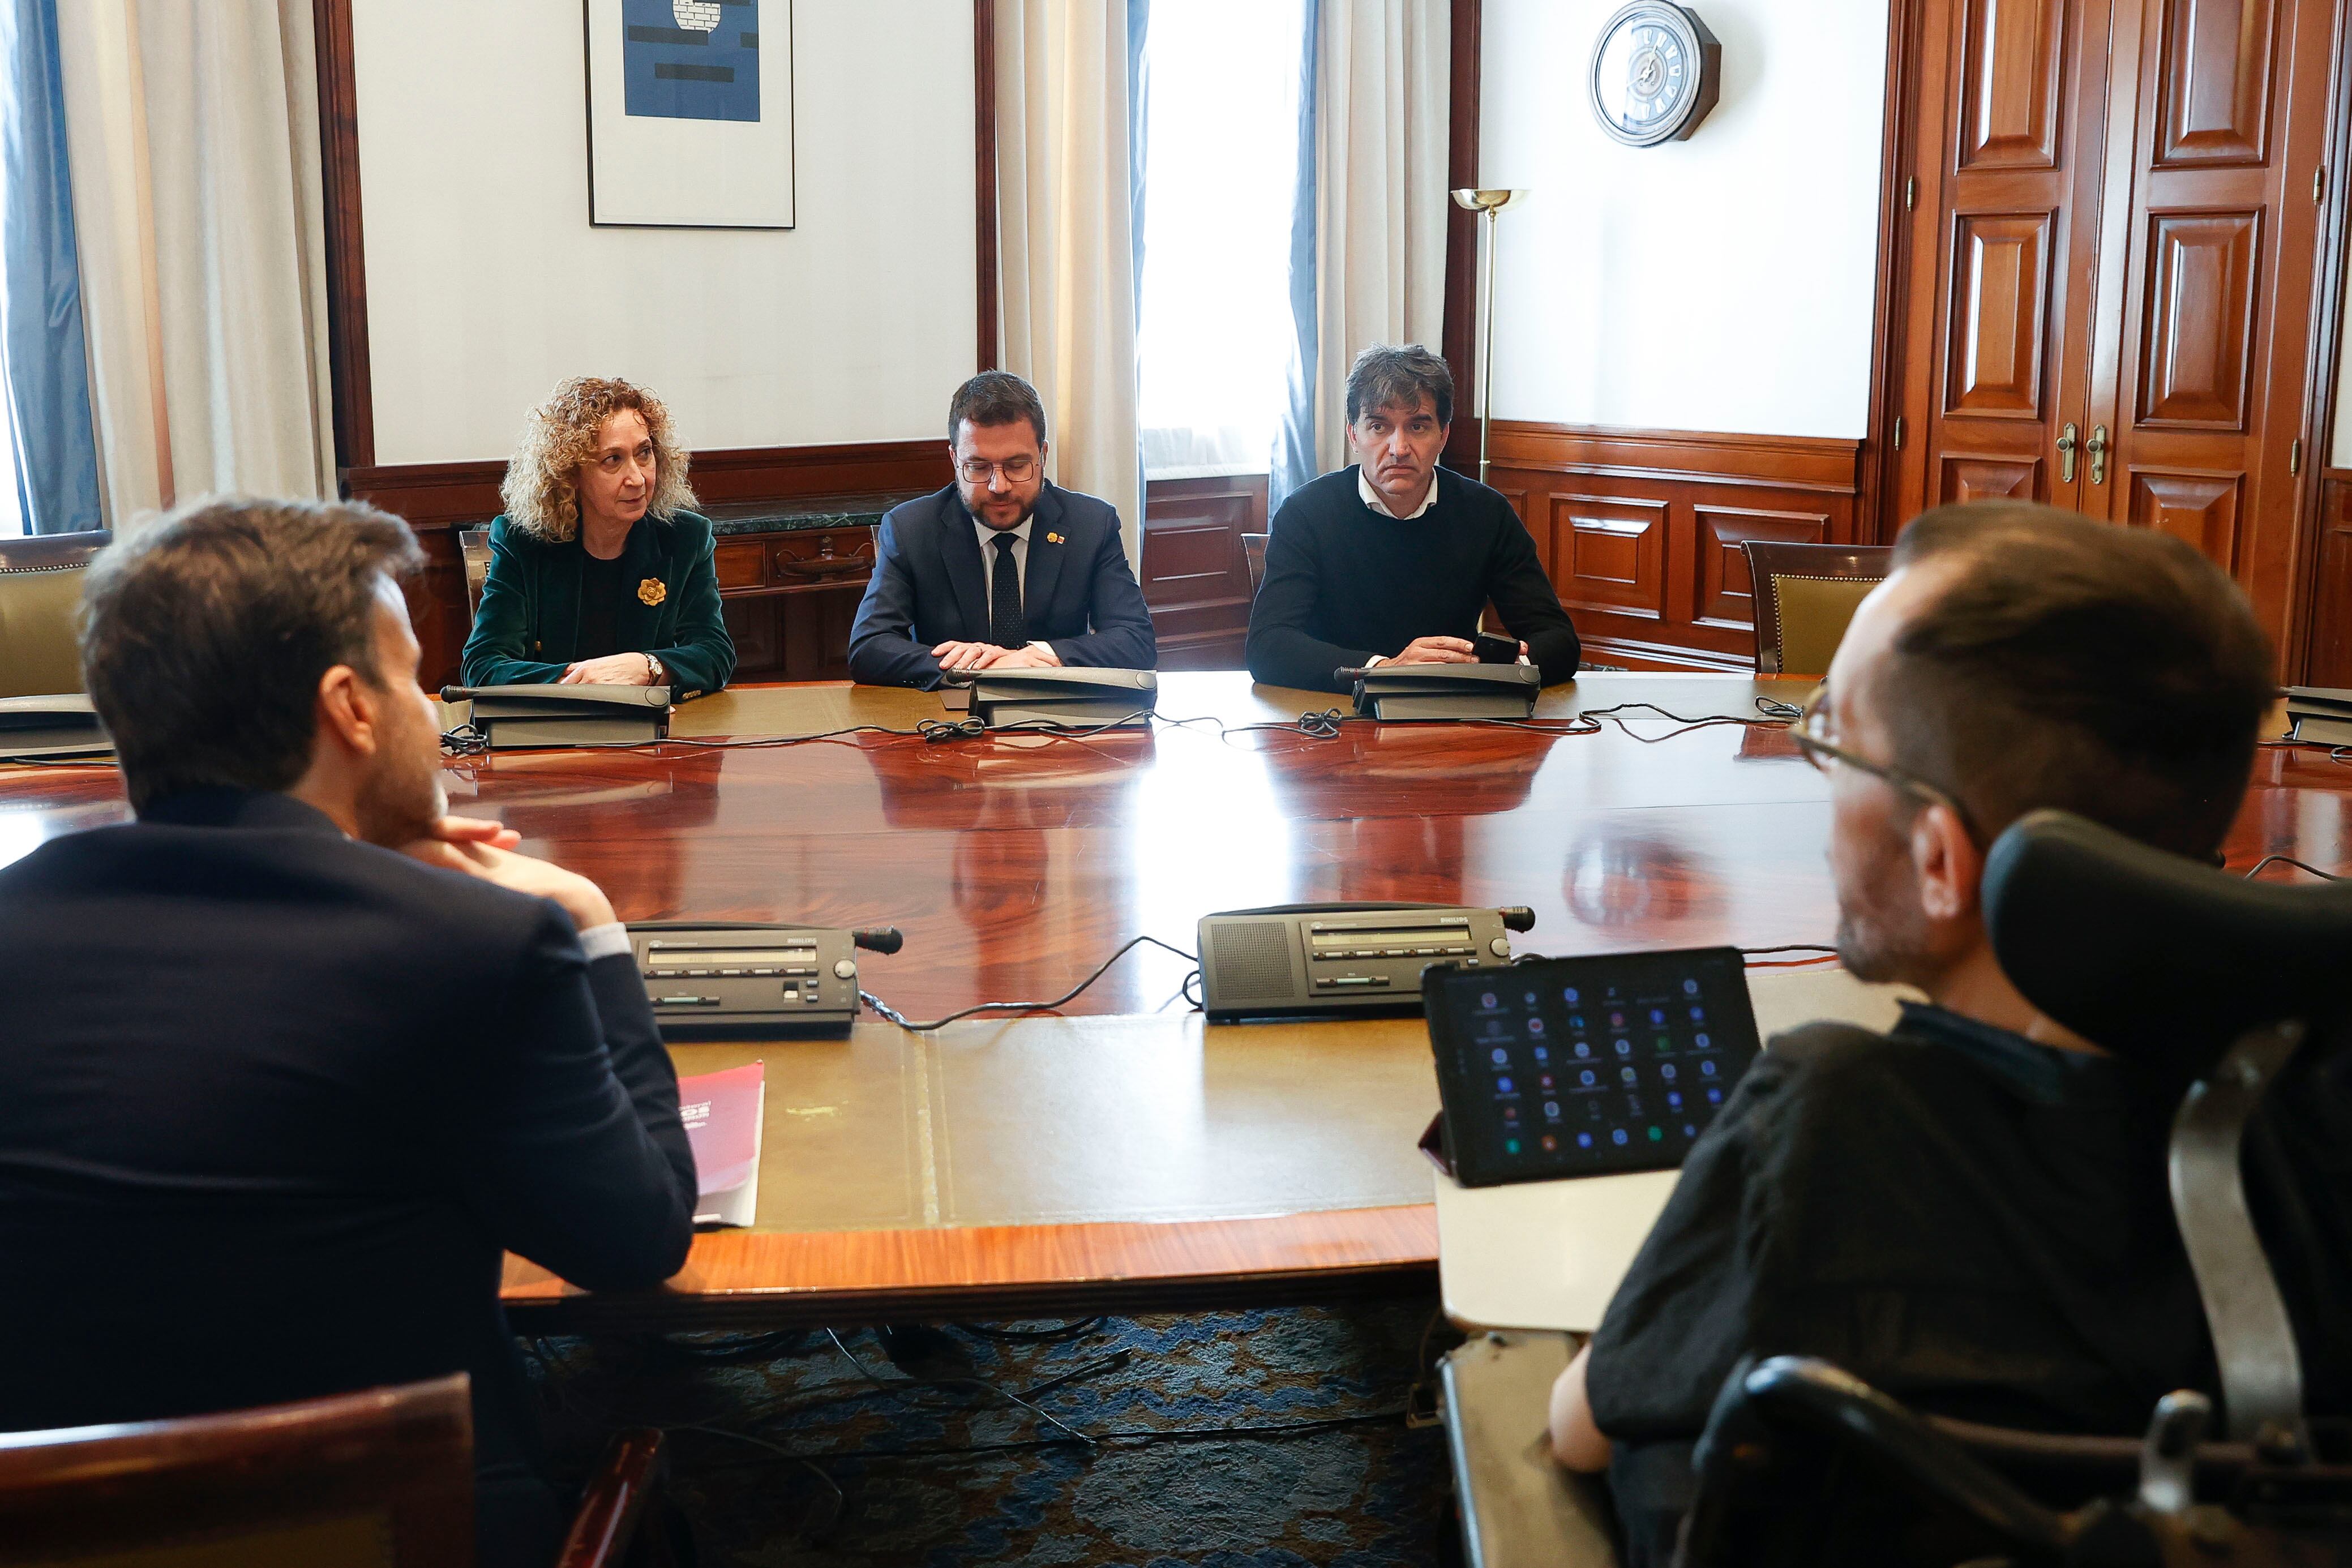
x=1725, y=593
x=1195, y=575
x=1640, y=530
x=2331, y=631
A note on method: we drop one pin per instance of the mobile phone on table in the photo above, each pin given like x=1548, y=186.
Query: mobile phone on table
x=1492, y=649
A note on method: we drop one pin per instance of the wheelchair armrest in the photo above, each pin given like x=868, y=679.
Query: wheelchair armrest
x=1774, y=1415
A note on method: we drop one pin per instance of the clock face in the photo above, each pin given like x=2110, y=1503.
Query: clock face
x=1653, y=73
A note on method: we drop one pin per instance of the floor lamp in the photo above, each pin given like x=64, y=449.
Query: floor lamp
x=1485, y=203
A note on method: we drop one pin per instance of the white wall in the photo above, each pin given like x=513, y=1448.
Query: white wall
x=487, y=285
x=1723, y=283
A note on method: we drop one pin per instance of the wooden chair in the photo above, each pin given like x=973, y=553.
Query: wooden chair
x=1805, y=596
x=384, y=1477
x=1253, y=547
x=40, y=611
x=473, y=544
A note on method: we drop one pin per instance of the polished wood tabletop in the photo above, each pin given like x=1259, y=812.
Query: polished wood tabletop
x=1017, y=863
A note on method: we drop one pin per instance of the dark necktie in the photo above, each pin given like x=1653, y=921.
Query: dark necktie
x=1006, y=626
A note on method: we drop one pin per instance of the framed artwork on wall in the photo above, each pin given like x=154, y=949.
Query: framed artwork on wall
x=690, y=113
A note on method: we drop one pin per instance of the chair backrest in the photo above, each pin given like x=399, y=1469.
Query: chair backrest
x=2207, y=978
x=1253, y=547
x=40, y=611
x=384, y=1477
x=474, y=544
x=1805, y=596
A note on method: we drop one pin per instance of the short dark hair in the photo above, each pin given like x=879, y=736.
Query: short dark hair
x=205, y=635
x=996, y=397
x=2113, y=672
x=1399, y=375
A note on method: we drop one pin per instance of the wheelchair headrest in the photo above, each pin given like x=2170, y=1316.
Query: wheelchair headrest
x=2154, y=957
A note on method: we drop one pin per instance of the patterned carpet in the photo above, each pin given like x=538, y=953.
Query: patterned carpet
x=1222, y=1439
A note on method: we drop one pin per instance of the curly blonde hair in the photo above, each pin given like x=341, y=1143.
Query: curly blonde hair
x=541, y=491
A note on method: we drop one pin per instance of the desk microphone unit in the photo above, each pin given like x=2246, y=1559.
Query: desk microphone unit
x=1306, y=961
x=1389, y=692
x=60, y=728
x=516, y=718
x=1077, y=699
x=730, y=980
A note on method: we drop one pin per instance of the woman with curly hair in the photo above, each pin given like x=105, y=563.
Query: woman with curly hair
x=599, y=573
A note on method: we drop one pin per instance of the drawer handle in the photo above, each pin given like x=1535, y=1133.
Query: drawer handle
x=826, y=565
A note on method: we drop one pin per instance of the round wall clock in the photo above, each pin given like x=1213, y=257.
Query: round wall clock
x=1654, y=73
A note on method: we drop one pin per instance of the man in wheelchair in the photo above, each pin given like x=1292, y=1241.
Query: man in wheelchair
x=1970, y=1214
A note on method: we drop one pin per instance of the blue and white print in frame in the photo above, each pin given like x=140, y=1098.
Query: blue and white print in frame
x=690, y=113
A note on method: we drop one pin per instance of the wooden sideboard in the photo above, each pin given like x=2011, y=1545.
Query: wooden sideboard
x=790, y=595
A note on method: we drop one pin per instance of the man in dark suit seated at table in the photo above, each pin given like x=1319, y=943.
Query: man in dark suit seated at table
x=290, y=1060
x=1389, y=560
x=1002, y=570
x=1970, y=1212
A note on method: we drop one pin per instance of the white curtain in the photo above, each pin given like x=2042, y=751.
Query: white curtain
x=193, y=134
x=1381, y=110
x=1066, y=239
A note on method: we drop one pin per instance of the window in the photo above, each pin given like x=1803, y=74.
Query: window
x=1215, y=336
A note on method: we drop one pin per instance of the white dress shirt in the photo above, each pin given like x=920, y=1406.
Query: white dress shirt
x=1020, y=532
x=988, y=538
x=1379, y=503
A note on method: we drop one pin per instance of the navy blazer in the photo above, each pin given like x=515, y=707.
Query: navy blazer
x=272, y=1104
x=931, y=586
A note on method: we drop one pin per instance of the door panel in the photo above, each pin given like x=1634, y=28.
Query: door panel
x=2216, y=81
x=2200, y=509
x=2011, y=156
x=2012, y=69
x=2210, y=230
x=2198, y=336
x=2001, y=315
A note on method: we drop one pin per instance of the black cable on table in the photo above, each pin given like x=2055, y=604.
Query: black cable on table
x=886, y=1011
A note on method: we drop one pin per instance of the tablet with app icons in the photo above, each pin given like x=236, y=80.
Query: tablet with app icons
x=1572, y=1066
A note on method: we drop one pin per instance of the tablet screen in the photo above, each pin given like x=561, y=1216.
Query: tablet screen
x=1565, y=1067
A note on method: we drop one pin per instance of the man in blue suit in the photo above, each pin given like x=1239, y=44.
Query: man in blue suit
x=1002, y=570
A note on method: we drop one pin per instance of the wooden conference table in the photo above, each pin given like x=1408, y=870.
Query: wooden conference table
x=1126, y=1155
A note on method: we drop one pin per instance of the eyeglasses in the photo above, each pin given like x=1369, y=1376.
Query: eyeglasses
x=1016, y=471
x=1812, y=733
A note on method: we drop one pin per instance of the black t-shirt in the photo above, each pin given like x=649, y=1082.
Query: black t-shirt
x=1975, y=1224
x=602, y=585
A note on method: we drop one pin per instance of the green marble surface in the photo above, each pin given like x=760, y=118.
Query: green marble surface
x=799, y=517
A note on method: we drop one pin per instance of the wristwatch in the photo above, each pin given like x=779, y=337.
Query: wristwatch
x=654, y=671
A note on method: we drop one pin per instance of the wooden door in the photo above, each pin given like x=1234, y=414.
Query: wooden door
x=2002, y=249
x=2202, y=332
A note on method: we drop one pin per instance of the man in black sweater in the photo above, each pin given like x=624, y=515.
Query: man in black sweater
x=287, y=1062
x=1391, y=562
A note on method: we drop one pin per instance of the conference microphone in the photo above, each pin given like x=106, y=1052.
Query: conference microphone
x=1517, y=917
x=890, y=939
x=460, y=693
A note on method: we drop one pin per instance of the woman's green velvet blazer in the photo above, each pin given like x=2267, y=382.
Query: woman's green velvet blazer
x=527, y=628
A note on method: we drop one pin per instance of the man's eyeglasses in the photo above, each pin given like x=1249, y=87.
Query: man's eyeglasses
x=1812, y=733
x=1016, y=471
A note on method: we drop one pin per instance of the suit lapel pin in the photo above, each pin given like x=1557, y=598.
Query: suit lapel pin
x=652, y=590
x=1053, y=539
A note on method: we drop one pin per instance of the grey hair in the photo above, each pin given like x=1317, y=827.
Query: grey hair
x=1399, y=375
